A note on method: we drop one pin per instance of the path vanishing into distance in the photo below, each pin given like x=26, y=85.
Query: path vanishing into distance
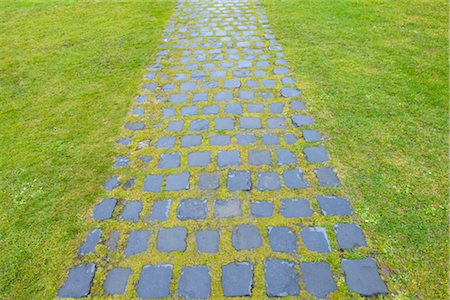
x=221, y=185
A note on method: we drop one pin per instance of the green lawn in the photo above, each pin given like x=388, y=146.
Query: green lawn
x=68, y=73
x=375, y=75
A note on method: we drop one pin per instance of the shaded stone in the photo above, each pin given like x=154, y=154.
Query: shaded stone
x=228, y=158
x=195, y=282
x=160, y=210
x=268, y=181
x=199, y=125
x=285, y=157
x=318, y=278
x=129, y=183
x=259, y=157
x=270, y=139
x=111, y=183
x=79, y=281
x=362, y=276
x=261, y=209
x=166, y=142
x=169, y=160
x=349, y=236
x=137, y=242
x=207, y=241
x=282, y=239
x=294, y=179
x=250, y=123
x=316, y=239
x=177, y=182
x=172, y=239
x=153, y=183
x=90, y=242
x=116, y=281
x=237, y=279
x=191, y=140
x=316, y=154
x=104, y=209
x=276, y=123
x=220, y=140
x=132, y=210
x=246, y=237
x=327, y=177
x=192, y=209
x=211, y=110
x=239, y=181
x=199, y=159
x=281, y=278
x=227, y=208
x=224, y=124
x=311, y=135
x=155, y=281
x=302, y=120
x=289, y=92
x=175, y=126
x=208, y=181
x=296, y=208
x=113, y=242
x=121, y=161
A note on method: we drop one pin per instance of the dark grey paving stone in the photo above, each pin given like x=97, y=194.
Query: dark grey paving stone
x=285, y=157
x=316, y=154
x=270, y=139
x=137, y=242
x=228, y=158
x=90, y=242
x=211, y=110
x=227, y=64
x=235, y=108
x=207, y=241
x=269, y=83
x=192, y=209
x=252, y=84
x=191, y=140
x=318, y=278
x=276, y=123
x=290, y=139
x=153, y=183
x=189, y=110
x=245, y=139
x=276, y=108
x=241, y=73
x=200, y=97
x=132, y=210
x=237, y=279
x=316, y=239
x=287, y=80
x=255, y=107
x=169, y=112
x=298, y=105
x=172, y=239
x=177, y=182
x=155, y=281
x=142, y=99
x=209, y=66
x=227, y=208
x=199, y=159
x=129, y=183
x=261, y=209
x=294, y=179
x=250, y=123
x=166, y=142
x=349, y=236
x=79, y=281
x=260, y=73
x=311, y=135
x=104, y=209
x=267, y=95
x=224, y=124
x=195, y=282
x=268, y=181
x=327, y=177
x=259, y=157
x=223, y=96
x=126, y=141
x=281, y=278
x=220, y=140
x=180, y=76
x=218, y=74
x=116, y=281
x=138, y=112
x=208, y=181
x=290, y=92
x=302, y=120
x=239, y=181
x=243, y=64
x=246, y=237
x=362, y=276
x=111, y=183
x=296, y=208
x=175, y=126
x=160, y=210
x=282, y=239
x=198, y=75
x=113, y=241
x=278, y=71
x=246, y=95
x=199, y=125
x=263, y=64
x=232, y=84
x=169, y=160
x=188, y=86
x=210, y=85
x=178, y=98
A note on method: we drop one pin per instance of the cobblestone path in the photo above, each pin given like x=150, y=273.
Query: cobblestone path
x=222, y=186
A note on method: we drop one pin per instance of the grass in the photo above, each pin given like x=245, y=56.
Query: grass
x=375, y=75
x=68, y=73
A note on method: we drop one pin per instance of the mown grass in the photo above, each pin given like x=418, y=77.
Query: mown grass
x=68, y=73
x=375, y=74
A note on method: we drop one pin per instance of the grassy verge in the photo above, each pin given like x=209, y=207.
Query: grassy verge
x=68, y=73
x=375, y=76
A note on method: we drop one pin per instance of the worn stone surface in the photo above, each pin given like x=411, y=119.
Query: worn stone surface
x=137, y=242
x=192, y=209
x=132, y=210
x=207, y=241
x=318, y=278
x=246, y=237
x=334, y=205
x=177, y=182
x=362, y=276
x=316, y=239
x=327, y=177
x=268, y=181
x=195, y=282
x=349, y=236
x=116, y=281
x=237, y=279
x=227, y=208
x=172, y=239
x=262, y=209
x=282, y=239
x=295, y=208
x=281, y=278
x=104, y=209
x=160, y=210
x=154, y=281
x=79, y=281
x=90, y=242
x=239, y=181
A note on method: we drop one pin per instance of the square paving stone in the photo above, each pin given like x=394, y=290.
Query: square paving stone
x=160, y=210
x=227, y=208
x=177, y=182
x=235, y=108
x=349, y=236
x=153, y=183
x=296, y=208
x=207, y=241
x=285, y=157
x=132, y=210
x=302, y=120
x=175, y=126
x=79, y=281
x=239, y=181
x=282, y=239
x=246, y=237
x=268, y=181
x=172, y=239
x=276, y=108
x=116, y=281
x=316, y=154
x=223, y=96
x=192, y=209
x=211, y=110
x=199, y=159
x=169, y=160
x=195, y=282
x=259, y=157
x=316, y=239
x=224, y=124
x=220, y=140
x=228, y=158
x=276, y=123
x=255, y=107
x=261, y=209
x=191, y=140
x=178, y=98
x=362, y=276
x=327, y=177
x=121, y=161
x=281, y=278
x=90, y=242
x=111, y=183
x=155, y=281
x=166, y=142
x=208, y=181
x=189, y=111
x=250, y=123
x=245, y=139
x=318, y=278
x=294, y=179
x=137, y=242
x=199, y=125
x=237, y=279
x=270, y=139
x=334, y=205
x=104, y=209
x=200, y=97
x=232, y=84
x=311, y=135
